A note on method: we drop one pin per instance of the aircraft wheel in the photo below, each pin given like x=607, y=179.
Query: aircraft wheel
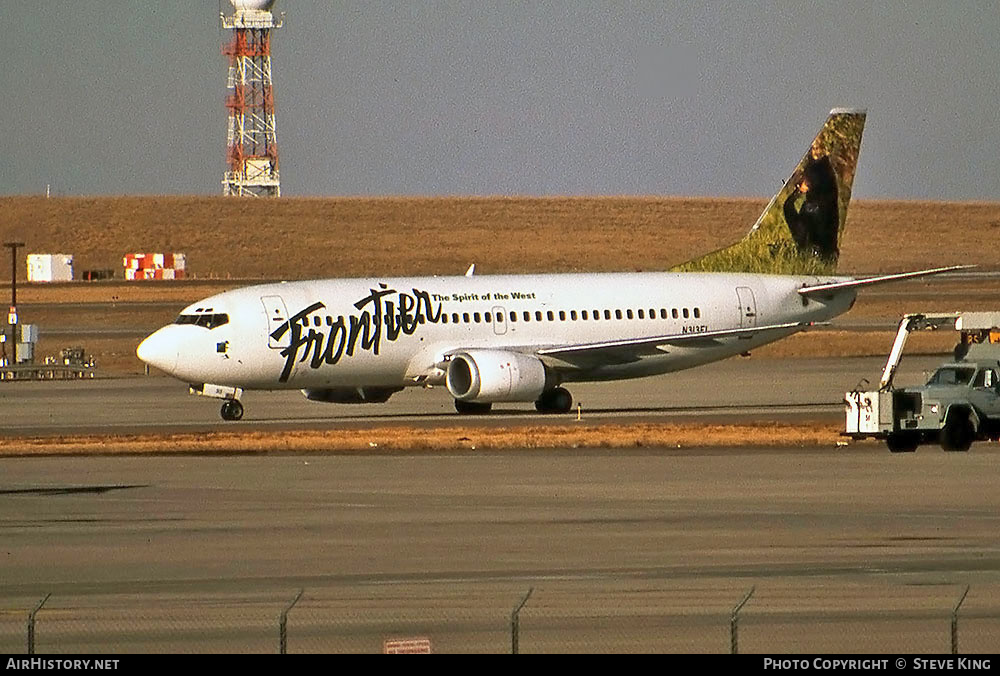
x=957, y=433
x=558, y=400
x=472, y=407
x=231, y=410
x=902, y=443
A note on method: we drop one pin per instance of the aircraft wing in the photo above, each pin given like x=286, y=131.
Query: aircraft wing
x=833, y=287
x=632, y=349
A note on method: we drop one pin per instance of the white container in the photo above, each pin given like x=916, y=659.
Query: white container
x=29, y=333
x=50, y=268
x=24, y=353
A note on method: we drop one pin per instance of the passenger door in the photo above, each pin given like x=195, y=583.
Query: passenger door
x=748, y=307
x=277, y=315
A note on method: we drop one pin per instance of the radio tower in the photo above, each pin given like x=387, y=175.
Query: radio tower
x=252, y=150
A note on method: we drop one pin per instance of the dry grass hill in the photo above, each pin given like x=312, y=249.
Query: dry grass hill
x=313, y=237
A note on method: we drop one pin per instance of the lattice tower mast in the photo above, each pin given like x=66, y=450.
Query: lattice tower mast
x=252, y=146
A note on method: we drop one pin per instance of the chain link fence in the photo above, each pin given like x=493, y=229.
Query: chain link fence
x=549, y=617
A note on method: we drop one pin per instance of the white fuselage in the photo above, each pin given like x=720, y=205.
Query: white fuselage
x=398, y=332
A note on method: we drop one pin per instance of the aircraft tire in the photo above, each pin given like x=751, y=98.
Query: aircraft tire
x=558, y=400
x=472, y=407
x=231, y=410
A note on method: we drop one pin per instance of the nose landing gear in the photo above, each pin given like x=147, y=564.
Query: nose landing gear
x=232, y=409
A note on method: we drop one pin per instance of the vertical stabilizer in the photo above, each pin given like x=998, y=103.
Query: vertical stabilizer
x=800, y=230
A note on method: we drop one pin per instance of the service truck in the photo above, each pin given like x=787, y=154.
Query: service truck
x=959, y=404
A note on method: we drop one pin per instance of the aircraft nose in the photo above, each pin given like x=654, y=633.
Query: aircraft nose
x=159, y=350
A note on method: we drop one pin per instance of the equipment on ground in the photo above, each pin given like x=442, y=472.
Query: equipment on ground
x=959, y=404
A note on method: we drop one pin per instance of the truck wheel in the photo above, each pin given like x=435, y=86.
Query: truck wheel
x=901, y=442
x=957, y=433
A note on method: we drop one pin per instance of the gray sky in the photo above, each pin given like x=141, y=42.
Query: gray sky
x=506, y=98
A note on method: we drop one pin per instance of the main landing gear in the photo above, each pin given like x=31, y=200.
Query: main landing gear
x=472, y=407
x=558, y=400
x=232, y=409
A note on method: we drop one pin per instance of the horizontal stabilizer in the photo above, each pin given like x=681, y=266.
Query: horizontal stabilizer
x=820, y=289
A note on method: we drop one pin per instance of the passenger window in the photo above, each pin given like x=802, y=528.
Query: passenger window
x=562, y=315
x=538, y=315
x=465, y=317
x=674, y=311
x=685, y=313
x=550, y=315
x=642, y=314
x=454, y=318
x=572, y=315
x=475, y=317
x=607, y=314
x=527, y=316
x=488, y=316
x=628, y=313
x=499, y=316
x=697, y=313
x=583, y=314
x=618, y=314
x=663, y=313
x=652, y=313
x=513, y=316
x=444, y=318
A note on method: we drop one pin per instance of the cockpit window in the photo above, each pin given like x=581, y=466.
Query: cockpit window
x=208, y=321
x=952, y=375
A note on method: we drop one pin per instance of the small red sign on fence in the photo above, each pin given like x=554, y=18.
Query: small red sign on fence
x=406, y=646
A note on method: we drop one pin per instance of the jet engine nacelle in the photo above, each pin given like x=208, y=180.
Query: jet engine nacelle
x=495, y=375
x=351, y=395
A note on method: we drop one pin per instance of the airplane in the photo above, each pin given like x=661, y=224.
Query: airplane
x=521, y=338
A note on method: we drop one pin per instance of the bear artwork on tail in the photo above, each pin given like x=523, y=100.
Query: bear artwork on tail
x=814, y=225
